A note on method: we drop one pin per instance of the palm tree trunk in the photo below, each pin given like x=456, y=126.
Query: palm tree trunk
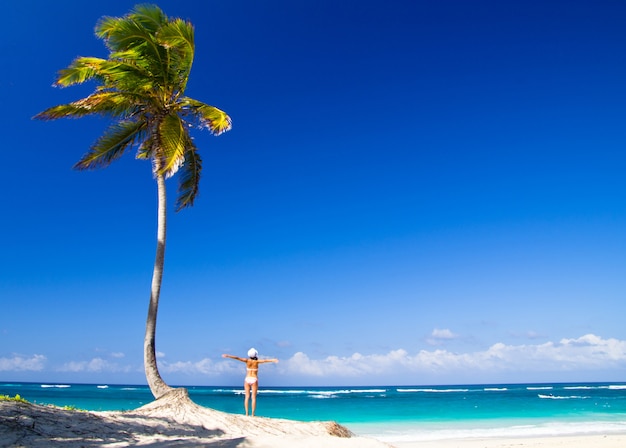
x=158, y=387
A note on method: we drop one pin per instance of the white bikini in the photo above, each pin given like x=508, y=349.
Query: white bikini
x=251, y=379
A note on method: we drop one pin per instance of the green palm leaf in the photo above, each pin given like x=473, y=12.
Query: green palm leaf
x=134, y=30
x=177, y=33
x=135, y=33
x=189, y=177
x=129, y=76
x=105, y=103
x=63, y=111
x=147, y=148
x=81, y=70
x=172, y=140
x=178, y=37
x=117, y=138
x=151, y=17
x=216, y=120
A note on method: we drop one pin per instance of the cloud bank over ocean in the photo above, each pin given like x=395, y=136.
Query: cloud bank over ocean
x=585, y=353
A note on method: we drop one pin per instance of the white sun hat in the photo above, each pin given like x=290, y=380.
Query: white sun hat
x=252, y=353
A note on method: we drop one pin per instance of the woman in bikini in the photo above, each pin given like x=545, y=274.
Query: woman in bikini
x=251, y=382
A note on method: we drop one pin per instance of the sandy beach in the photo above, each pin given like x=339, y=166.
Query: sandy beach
x=583, y=441
x=175, y=421
x=170, y=421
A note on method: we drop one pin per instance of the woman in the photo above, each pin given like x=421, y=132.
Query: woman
x=251, y=381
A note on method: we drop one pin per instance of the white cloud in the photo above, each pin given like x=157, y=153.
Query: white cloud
x=588, y=352
x=20, y=363
x=355, y=365
x=438, y=336
x=205, y=367
x=94, y=365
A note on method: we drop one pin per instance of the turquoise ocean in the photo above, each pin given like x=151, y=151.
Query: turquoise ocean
x=389, y=413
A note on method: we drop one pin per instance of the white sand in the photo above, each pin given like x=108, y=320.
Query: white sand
x=583, y=441
x=175, y=421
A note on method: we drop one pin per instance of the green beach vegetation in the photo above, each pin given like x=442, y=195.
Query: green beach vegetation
x=141, y=86
x=16, y=398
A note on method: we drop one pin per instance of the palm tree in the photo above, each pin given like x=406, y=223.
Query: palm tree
x=141, y=86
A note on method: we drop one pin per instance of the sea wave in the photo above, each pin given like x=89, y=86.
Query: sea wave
x=557, y=397
x=539, y=388
x=58, y=386
x=618, y=387
x=432, y=390
x=324, y=392
x=239, y=391
x=495, y=389
x=396, y=433
x=103, y=387
x=287, y=392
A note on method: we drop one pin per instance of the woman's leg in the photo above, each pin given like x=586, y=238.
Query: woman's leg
x=246, y=388
x=255, y=388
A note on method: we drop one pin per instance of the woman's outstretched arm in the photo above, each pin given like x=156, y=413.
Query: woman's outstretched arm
x=233, y=357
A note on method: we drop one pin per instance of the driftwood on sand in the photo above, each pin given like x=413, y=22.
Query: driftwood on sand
x=173, y=421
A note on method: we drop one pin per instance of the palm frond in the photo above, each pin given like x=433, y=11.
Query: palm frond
x=135, y=32
x=147, y=148
x=177, y=37
x=103, y=103
x=172, y=139
x=216, y=120
x=63, y=111
x=111, y=103
x=80, y=70
x=177, y=33
x=189, y=177
x=111, y=73
x=151, y=17
x=117, y=138
x=122, y=33
x=130, y=76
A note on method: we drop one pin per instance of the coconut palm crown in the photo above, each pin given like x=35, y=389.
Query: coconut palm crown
x=142, y=87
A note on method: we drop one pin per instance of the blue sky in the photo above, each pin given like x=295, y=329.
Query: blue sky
x=413, y=192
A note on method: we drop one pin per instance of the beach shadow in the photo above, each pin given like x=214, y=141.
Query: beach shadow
x=23, y=424
x=239, y=442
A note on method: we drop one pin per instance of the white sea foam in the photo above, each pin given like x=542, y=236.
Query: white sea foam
x=433, y=390
x=495, y=389
x=103, y=387
x=273, y=391
x=539, y=388
x=311, y=393
x=291, y=391
x=323, y=392
x=579, y=387
x=557, y=397
x=368, y=391
x=410, y=433
x=618, y=387
x=58, y=386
